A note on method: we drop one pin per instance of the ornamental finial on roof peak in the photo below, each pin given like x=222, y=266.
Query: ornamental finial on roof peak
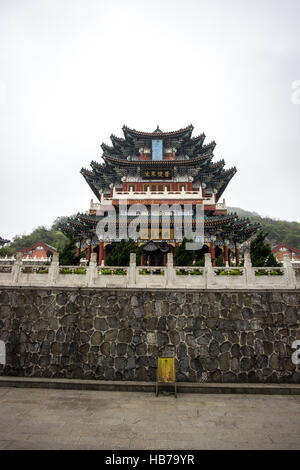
x=157, y=130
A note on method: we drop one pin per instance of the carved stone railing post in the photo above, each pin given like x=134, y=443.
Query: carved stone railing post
x=249, y=271
x=132, y=270
x=53, y=270
x=16, y=269
x=208, y=271
x=92, y=270
x=289, y=272
x=170, y=273
x=226, y=254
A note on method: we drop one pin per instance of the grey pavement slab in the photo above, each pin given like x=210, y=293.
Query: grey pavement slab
x=74, y=419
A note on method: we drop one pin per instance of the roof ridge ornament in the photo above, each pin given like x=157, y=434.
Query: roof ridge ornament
x=157, y=130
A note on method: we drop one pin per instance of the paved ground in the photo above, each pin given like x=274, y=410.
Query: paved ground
x=71, y=419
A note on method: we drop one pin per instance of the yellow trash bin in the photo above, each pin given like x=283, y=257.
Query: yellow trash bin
x=166, y=372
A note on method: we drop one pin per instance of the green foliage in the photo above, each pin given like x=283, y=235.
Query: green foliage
x=261, y=272
x=80, y=271
x=50, y=236
x=67, y=256
x=120, y=254
x=106, y=272
x=6, y=251
x=200, y=262
x=120, y=272
x=69, y=271
x=220, y=261
x=181, y=272
x=196, y=272
x=261, y=252
x=278, y=230
x=43, y=271
x=184, y=272
x=65, y=271
x=117, y=272
x=233, y=272
x=221, y=273
x=182, y=256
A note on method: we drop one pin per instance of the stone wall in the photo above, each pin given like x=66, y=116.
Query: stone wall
x=117, y=334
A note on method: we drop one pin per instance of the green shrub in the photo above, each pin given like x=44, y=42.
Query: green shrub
x=106, y=272
x=276, y=272
x=222, y=272
x=80, y=271
x=235, y=272
x=261, y=272
x=200, y=262
x=120, y=272
x=196, y=272
x=220, y=261
x=65, y=271
x=43, y=271
x=181, y=272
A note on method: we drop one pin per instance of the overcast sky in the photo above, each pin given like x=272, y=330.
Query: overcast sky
x=72, y=72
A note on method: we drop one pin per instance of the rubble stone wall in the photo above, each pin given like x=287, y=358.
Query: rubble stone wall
x=117, y=334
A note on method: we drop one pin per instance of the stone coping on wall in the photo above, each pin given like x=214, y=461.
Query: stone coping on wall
x=130, y=386
x=149, y=289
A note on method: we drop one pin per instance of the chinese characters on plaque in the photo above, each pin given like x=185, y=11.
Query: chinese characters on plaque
x=157, y=174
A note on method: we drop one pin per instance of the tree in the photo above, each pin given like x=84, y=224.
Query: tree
x=50, y=236
x=261, y=252
x=120, y=254
x=182, y=256
x=68, y=256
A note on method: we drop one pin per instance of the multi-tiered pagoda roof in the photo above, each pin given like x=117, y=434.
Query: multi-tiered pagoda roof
x=192, y=157
x=185, y=169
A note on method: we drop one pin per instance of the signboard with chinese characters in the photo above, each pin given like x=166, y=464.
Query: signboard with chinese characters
x=156, y=174
x=157, y=149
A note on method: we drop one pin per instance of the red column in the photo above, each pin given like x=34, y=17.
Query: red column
x=88, y=256
x=78, y=249
x=101, y=249
x=212, y=253
x=237, y=255
x=226, y=253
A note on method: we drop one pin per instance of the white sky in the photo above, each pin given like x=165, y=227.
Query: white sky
x=72, y=72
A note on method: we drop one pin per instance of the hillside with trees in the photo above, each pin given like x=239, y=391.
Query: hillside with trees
x=52, y=236
x=278, y=230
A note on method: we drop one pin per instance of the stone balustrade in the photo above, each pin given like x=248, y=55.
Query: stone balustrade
x=18, y=273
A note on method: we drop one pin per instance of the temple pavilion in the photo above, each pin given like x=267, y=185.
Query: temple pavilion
x=161, y=168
